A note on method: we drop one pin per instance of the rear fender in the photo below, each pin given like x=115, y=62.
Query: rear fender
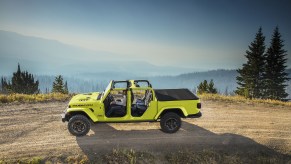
x=184, y=111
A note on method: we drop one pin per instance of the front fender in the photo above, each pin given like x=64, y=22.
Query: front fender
x=87, y=111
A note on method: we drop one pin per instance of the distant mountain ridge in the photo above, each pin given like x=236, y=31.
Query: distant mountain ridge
x=224, y=80
x=45, y=56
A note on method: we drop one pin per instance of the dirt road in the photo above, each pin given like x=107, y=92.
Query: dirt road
x=28, y=130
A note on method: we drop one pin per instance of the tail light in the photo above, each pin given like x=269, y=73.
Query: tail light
x=199, y=105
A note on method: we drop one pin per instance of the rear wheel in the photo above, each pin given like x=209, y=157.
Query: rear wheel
x=79, y=125
x=170, y=122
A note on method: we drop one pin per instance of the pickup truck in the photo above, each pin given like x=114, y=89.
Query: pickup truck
x=131, y=101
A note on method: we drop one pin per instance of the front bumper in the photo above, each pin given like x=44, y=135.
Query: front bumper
x=63, y=115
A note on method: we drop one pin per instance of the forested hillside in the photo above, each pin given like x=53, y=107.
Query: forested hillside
x=224, y=80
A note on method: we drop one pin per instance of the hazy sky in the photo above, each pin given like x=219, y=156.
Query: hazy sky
x=196, y=33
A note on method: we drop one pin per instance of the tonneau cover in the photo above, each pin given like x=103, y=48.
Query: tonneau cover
x=174, y=94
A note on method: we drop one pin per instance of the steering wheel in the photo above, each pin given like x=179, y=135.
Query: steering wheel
x=110, y=98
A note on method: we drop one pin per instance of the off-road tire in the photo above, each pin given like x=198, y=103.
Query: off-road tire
x=170, y=122
x=79, y=125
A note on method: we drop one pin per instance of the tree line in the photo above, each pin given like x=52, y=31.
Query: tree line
x=23, y=82
x=264, y=75
x=205, y=87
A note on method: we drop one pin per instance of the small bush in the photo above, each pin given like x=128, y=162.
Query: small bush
x=35, y=160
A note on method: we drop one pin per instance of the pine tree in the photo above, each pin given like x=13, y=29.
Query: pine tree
x=211, y=88
x=250, y=78
x=66, y=90
x=226, y=91
x=59, y=86
x=275, y=70
x=46, y=90
x=3, y=85
x=21, y=82
x=204, y=87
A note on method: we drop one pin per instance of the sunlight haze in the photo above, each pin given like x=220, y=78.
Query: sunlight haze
x=195, y=35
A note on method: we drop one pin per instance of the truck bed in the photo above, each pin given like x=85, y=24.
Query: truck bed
x=174, y=94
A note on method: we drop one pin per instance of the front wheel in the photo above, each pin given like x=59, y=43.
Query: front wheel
x=79, y=125
x=170, y=122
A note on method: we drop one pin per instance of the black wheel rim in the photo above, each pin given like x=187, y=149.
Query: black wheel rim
x=171, y=123
x=79, y=126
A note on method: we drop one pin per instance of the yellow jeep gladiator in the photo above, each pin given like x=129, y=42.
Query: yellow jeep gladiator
x=131, y=101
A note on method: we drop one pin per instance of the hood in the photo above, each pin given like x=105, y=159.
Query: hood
x=84, y=98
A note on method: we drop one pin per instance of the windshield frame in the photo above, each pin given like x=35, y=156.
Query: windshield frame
x=106, y=90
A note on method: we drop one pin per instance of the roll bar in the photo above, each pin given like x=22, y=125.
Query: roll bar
x=145, y=81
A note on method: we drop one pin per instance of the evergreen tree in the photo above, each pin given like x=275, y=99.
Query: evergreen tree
x=59, y=86
x=3, y=85
x=275, y=70
x=204, y=87
x=66, y=90
x=21, y=82
x=2, y=88
x=226, y=91
x=46, y=90
x=211, y=88
x=250, y=78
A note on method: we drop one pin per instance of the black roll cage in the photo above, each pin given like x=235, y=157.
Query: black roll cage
x=128, y=84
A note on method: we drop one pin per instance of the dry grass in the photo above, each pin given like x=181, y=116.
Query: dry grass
x=64, y=97
x=124, y=156
x=241, y=99
x=211, y=156
x=34, y=98
x=130, y=156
